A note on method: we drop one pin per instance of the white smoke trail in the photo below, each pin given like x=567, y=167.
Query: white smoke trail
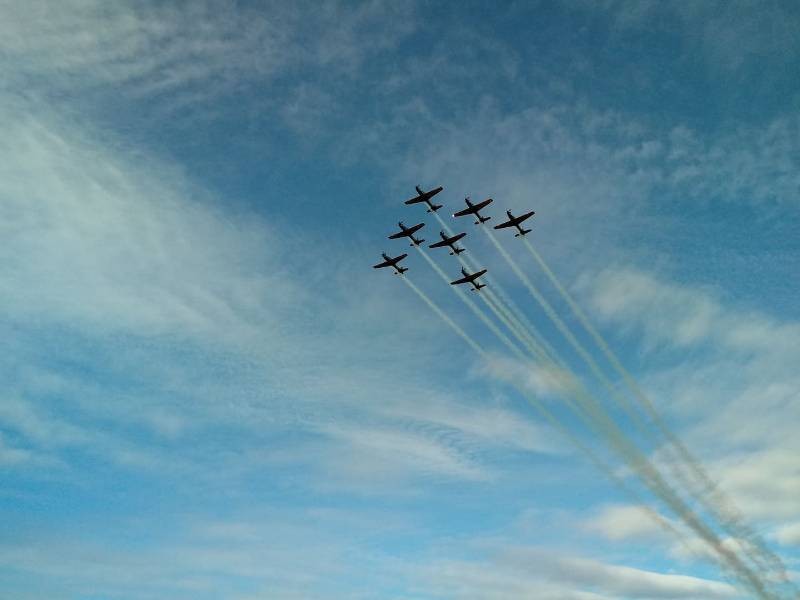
x=627, y=450
x=502, y=304
x=709, y=494
x=586, y=450
x=632, y=455
x=475, y=310
x=463, y=334
x=565, y=331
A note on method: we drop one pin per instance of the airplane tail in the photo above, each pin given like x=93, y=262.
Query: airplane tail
x=479, y=286
x=458, y=250
x=401, y=270
x=482, y=220
x=523, y=232
x=434, y=207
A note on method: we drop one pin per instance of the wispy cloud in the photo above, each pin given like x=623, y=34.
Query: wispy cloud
x=728, y=36
x=738, y=386
x=183, y=55
x=623, y=522
x=524, y=572
x=124, y=252
x=788, y=534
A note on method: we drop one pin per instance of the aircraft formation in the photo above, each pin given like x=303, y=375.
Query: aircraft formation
x=605, y=414
x=449, y=241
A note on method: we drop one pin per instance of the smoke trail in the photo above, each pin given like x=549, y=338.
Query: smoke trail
x=561, y=326
x=725, y=511
x=463, y=334
x=495, y=307
x=635, y=459
x=591, y=414
x=590, y=454
x=632, y=455
x=486, y=321
x=491, y=302
x=503, y=303
x=526, y=324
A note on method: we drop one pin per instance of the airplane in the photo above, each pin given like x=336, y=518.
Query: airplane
x=426, y=198
x=408, y=232
x=472, y=209
x=451, y=242
x=388, y=261
x=515, y=222
x=470, y=279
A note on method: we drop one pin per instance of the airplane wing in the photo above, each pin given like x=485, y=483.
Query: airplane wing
x=415, y=228
x=468, y=278
x=397, y=235
x=441, y=244
x=473, y=210
x=508, y=223
x=527, y=215
x=385, y=263
x=415, y=200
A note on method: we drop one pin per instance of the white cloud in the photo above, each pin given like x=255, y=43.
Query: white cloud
x=789, y=534
x=373, y=454
x=542, y=382
x=737, y=384
x=92, y=237
x=676, y=316
x=184, y=562
x=183, y=55
x=11, y=456
x=481, y=423
x=522, y=572
x=729, y=35
x=624, y=522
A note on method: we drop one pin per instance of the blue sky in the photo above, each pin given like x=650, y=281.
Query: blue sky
x=209, y=392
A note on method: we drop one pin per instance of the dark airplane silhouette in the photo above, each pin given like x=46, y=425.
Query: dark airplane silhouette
x=449, y=241
x=470, y=278
x=392, y=262
x=426, y=198
x=515, y=222
x=472, y=209
x=408, y=232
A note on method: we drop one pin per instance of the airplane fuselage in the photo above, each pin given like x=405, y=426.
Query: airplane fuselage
x=449, y=242
x=408, y=232
x=423, y=196
x=470, y=278
x=474, y=209
x=388, y=261
x=516, y=222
